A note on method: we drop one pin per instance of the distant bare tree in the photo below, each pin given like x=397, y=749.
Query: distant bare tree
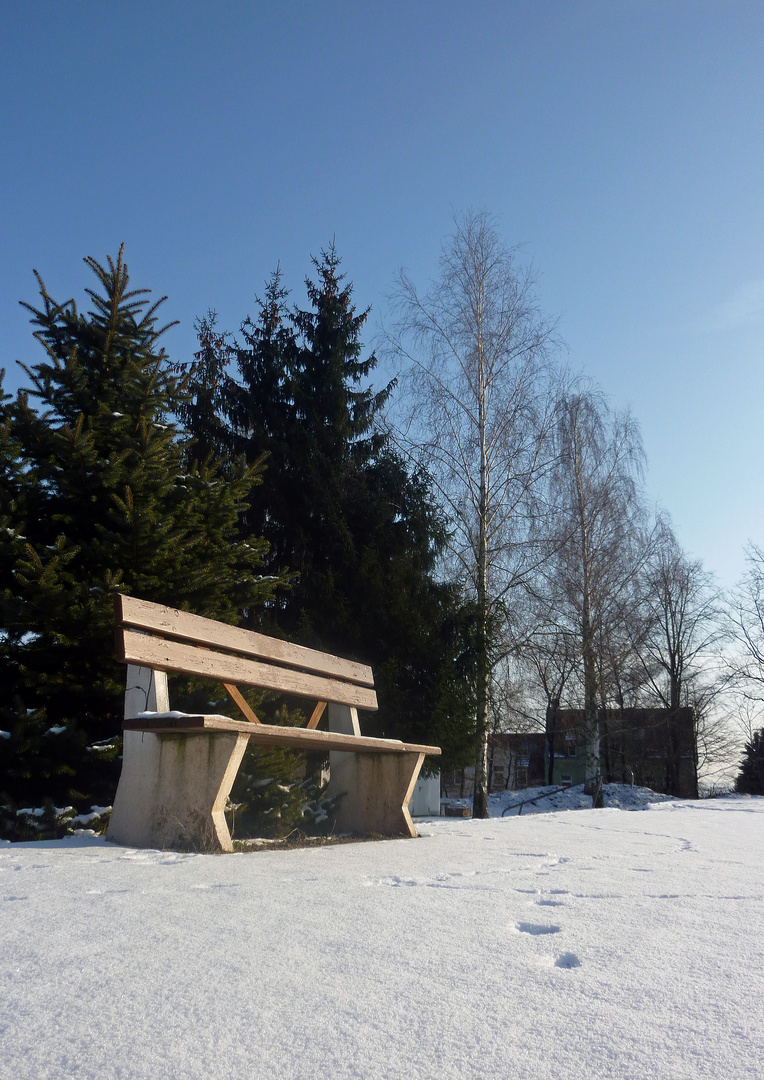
x=549, y=650
x=602, y=542
x=745, y=664
x=478, y=354
x=746, y=715
x=716, y=738
x=682, y=629
x=746, y=618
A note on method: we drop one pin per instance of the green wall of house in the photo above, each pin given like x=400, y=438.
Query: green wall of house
x=569, y=769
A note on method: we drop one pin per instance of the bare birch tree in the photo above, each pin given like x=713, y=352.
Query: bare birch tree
x=549, y=651
x=746, y=620
x=745, y=663
x=679, y=646
x=602, y=542
x=478, y=354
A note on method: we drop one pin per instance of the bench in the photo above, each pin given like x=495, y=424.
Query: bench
x=178, y=769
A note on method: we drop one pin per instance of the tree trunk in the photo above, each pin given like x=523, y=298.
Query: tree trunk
x=480, y=796
x=592, y=785
x=552, y=708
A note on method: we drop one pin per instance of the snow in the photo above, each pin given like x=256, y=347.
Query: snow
x=83, y=820
x=595, y=943
x=174, y=714
x=39, y=811
x=544, y=800
x=102, y=746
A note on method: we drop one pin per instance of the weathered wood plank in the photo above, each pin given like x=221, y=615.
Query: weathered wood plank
x=144, y=615
x=273, y=735
x=136, y=648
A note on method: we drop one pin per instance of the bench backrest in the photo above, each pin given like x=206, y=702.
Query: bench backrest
x=166, y=639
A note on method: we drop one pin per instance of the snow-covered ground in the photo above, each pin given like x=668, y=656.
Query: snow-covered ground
x=544, y=800
x=593, y=944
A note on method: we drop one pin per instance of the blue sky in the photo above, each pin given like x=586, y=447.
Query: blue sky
x=621, y=142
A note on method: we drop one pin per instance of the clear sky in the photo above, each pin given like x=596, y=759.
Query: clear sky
x=621, y=141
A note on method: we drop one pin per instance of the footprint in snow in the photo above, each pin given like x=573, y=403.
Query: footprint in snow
x=395, y=882
x=567, y=960
x=537, y=928
x=206, y=886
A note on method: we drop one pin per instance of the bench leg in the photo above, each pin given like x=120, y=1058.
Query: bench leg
x=377, y=789
x=173, y=790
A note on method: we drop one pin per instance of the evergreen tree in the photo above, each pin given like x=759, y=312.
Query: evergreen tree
x=103, y=498
x=264, y=421
x=11, y=487
x=299, y=399
x=334, y=455
x=750, y=780
x=202, y=410
x=343, y=510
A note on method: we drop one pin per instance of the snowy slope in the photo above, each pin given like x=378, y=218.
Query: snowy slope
x=544, y=800
x=596, y=944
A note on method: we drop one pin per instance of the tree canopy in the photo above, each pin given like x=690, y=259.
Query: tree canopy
x=343, y=512
x=99, y=494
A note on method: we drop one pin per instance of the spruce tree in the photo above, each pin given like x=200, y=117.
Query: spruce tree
x=106, y=498
x=750, y=780
x=335, y=442
x=265, y=423
x=11, y=487
x=203, y=410
x=344, y=511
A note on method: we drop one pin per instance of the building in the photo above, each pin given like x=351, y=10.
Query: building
x=516, y=760
x=652, y=748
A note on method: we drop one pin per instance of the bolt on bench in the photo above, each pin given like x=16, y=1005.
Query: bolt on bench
x=178, y=769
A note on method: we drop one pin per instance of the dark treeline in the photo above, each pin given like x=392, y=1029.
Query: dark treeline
x=253, y=485
x=340, y=509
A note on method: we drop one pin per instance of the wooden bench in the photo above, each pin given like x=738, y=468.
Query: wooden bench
x=178, y=769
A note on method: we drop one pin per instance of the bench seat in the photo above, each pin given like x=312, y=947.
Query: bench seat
x=294, y=738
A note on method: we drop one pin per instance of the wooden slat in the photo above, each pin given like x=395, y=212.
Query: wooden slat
x=318, y=712
x=235, y=696
x=144, y=615
x=271, y=735
x=136, y=648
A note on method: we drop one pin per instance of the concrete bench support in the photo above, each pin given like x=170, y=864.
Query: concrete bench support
x=375, y=789
x=173, y=790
